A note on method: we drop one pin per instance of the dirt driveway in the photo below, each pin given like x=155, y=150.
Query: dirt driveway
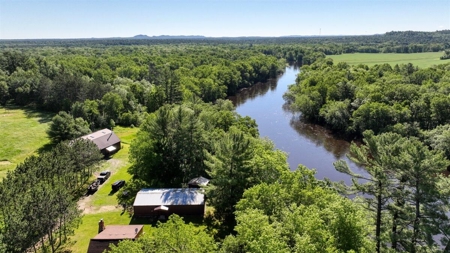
x=85, y=202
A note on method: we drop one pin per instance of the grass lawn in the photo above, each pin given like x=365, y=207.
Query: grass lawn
x=103, y=203
x=79, y=243
x=423, y=60
x=23, y=133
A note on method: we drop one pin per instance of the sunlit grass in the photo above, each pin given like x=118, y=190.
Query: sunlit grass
x=104, y=197
x=79, y=243
x=422, y=60
x=23, y=133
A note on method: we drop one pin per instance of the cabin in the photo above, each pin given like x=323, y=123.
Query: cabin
x=106, y=140
x=113, y=234
x=198, y=182
x=181, y=201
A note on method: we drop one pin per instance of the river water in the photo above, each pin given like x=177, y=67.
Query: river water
x=307, y=144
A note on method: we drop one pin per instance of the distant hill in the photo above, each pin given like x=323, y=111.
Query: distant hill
x=143, y=36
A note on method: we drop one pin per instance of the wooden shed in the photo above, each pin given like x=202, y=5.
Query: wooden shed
x=181, y=201
x=113, y=234
x=106, y=140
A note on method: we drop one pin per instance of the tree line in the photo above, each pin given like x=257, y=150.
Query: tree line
x=119, y=85
x=39, y=208
x=351, y=99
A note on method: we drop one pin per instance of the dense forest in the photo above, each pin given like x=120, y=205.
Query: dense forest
x=175, y=91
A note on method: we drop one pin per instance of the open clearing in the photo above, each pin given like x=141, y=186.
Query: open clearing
x=423, y=60
x=103, y=203
x=23, y=133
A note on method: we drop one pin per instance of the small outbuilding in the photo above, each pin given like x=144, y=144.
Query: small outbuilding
x=198, y=182
x=106, y=140
x=181, y=201
x=113, y=234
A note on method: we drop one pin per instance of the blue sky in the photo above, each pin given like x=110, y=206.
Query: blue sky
x=28, y=19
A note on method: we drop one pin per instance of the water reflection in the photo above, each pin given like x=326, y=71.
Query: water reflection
x=320, y=136
x=259, y=89
x=307, y=144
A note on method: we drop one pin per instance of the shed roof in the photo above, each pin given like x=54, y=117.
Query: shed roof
x=199, y=181
x=119, y=232
x=102, y=138
x=170, y=197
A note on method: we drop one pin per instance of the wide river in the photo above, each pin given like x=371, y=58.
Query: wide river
x=307, y=144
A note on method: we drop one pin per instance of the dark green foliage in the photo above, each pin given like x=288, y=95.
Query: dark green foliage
x=446, y=55
x=297, y=214
x=438, y=139
x=401, y=189
x=65, y=127
x=237, y=162
x=169, y=149
x=229, y=168
x=353, y=99
x=39, y=197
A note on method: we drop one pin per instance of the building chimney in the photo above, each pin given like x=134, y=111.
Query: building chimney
x=101, y=226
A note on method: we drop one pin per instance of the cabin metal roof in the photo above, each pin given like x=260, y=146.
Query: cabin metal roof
x=170, y=197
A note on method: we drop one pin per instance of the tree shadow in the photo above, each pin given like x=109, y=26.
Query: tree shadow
x=44, y=116
x=150, y=220
x=45, y=148
x=112, y=192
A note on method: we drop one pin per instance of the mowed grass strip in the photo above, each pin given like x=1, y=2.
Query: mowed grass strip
x=23, y=133
x=422, y=60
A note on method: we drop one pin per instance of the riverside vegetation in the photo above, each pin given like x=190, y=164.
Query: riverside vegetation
x=174, y=91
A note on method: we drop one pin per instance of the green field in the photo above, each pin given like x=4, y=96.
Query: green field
x=23, y=133
x=423, y=60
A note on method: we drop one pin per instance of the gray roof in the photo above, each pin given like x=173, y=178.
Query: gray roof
x=170, y=197
x=199, y=181
x=102, y=138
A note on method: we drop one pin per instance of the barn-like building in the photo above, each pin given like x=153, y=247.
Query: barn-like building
x=106, y=140
x=181, y=201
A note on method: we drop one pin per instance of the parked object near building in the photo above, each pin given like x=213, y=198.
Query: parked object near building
x=104, y=175
x=117, y=185
x=181, y=201
x=106, y=140
x=113, y=234
x=94, y=186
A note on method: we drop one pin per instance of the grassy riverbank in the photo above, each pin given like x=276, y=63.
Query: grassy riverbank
x=423, y=60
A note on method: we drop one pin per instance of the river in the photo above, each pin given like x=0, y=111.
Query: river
x=307, y=144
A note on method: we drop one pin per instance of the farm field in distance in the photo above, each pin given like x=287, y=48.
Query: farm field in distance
x=423, y=60
x=23, y=133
